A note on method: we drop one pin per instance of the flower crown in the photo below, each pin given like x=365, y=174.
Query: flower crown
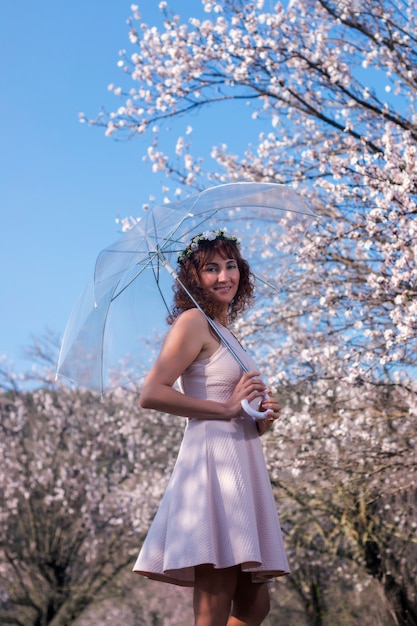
x=208, y=235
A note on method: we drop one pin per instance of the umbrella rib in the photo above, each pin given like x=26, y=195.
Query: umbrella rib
x=138, y=273
x=184, y=234
x=156, y=274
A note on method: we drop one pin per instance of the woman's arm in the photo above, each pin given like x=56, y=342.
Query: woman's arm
x=183, y=344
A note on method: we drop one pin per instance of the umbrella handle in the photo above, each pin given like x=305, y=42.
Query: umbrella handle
x=252, y=412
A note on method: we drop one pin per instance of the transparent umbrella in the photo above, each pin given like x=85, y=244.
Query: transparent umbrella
x=123, y=307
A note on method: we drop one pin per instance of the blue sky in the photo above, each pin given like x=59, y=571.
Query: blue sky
x=62, y=184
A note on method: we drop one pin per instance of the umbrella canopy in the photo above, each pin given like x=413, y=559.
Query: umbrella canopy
x=116, y=321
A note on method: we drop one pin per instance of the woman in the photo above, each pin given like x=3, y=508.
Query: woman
x=217, y=528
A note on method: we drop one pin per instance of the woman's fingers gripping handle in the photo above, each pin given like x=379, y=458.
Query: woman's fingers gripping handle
x=253, y=388
x=253, y=412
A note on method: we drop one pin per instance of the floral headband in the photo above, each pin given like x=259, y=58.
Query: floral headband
x=208, y=235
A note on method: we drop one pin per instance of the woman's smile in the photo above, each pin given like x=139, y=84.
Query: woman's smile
x=220, y=277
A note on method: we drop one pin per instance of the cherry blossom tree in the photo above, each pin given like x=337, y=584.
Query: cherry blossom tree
x=80, y=482
x=345, y=482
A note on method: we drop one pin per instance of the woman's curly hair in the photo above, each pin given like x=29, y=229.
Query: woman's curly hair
x=189, y=275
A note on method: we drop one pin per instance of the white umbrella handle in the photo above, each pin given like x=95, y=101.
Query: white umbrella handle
x=253, y=412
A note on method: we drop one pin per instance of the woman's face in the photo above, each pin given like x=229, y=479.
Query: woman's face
x=220, y=278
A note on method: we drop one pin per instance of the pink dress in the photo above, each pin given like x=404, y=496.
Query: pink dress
x=218, y=507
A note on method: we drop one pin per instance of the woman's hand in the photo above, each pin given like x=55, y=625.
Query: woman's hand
x=249, y=387
x=267, y=423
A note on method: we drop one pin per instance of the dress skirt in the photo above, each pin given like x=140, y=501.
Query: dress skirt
x=218, y=508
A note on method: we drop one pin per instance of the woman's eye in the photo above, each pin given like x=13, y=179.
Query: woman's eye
x=233, y=266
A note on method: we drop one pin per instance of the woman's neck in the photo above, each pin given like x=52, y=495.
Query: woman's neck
x=222, y=319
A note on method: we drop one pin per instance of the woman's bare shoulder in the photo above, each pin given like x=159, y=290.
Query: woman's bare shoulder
x=194, y=328
x=191, y=318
